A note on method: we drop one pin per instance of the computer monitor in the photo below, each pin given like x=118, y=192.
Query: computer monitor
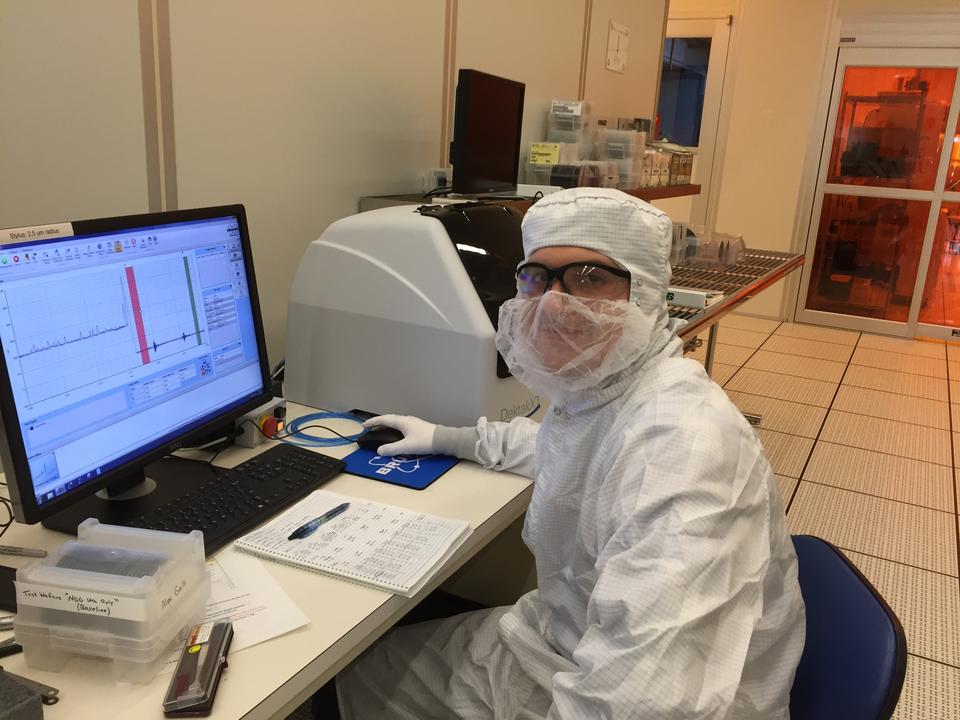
x=122, y=339
x=488, y=117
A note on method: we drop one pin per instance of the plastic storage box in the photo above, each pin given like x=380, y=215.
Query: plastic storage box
x=621, y=144
x=571, y=121
x=539, y=173
x=123, y=594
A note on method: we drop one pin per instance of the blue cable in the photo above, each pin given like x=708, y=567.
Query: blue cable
x=294, y=436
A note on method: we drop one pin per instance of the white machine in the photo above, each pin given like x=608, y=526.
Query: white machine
x=394, y=311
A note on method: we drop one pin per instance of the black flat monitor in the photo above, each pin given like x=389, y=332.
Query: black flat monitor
x=122, y=340
x=485, y=152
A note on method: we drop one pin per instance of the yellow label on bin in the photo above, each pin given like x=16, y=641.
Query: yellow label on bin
x=546, y=153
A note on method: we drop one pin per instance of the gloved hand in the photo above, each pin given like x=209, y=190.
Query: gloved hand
x=417, y=435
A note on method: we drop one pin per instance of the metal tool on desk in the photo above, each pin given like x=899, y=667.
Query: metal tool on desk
x=22, y=551
x=48, y=695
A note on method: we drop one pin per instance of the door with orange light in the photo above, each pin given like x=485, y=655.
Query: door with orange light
x=883, y=248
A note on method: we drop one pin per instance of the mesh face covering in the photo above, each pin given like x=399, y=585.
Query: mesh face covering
x=558, y=344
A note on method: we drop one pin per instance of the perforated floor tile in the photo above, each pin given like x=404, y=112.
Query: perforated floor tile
x=896, y=382
x=796, y=366
x=900, y=362
x=919, y=411
x=931, y=691
x=730, y=354
x=745, y=322
x=786, y=453
x=954, y=369
x=953, y=351
x=813, y=332
x=927, y=603
x=743, y=338
x=897, y=438
x=923, y=348
x=759, y=382
x=781, y=415
x=891, y=530
x=808, y=348
x=888, y=476
x=722, y=373
x=787, y=485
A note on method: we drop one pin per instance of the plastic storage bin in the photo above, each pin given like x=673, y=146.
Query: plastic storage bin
x=708, y=248
x=571, y=121
x=538, y=173
x=621, y=144
x=123, y=594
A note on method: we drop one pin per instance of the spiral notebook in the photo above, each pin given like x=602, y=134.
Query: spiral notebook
x=378, y=545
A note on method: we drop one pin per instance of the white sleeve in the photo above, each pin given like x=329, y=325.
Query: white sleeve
x=682, y=560
x=494, y=445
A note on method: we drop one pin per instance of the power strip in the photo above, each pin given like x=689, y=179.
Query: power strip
x=269, y=417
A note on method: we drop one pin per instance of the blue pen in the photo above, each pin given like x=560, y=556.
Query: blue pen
x=308, y=528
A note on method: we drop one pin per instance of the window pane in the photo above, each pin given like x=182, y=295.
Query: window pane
x=866, y=258
x=683, y=81
x=890, y=126
x=953, y=169
x=941, y=294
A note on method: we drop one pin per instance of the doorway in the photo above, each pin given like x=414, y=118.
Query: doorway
x=883, y=244
x=689, y=104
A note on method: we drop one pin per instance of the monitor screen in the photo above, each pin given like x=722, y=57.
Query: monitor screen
x=119, y=340
x=486, y=133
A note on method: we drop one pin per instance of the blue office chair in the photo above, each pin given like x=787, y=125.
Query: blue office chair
x=855, y=655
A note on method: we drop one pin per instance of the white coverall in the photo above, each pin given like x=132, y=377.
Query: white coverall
x=667, y=581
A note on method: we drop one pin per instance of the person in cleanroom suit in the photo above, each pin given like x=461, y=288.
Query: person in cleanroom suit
x=666, y=579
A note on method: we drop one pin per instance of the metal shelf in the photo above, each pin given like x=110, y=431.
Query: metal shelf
x=756, y=271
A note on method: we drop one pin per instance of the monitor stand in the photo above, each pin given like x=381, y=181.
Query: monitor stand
x=134, y=494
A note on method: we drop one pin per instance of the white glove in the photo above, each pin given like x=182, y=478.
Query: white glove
x=417, y=435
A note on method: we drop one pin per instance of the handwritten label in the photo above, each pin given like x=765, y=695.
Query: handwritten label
x=547, y=153
x=36, y=232
x=82, y=601
x=167, y=601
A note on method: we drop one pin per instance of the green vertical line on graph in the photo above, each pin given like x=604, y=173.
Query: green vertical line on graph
x=193, y=303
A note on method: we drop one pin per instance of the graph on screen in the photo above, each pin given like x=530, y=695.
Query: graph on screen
x=96, y=326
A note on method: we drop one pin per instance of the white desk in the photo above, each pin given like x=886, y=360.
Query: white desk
x=271, y=679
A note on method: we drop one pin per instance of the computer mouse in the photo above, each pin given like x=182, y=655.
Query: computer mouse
x=378, y=435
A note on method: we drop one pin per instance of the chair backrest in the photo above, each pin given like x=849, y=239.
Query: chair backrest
x=855, y=654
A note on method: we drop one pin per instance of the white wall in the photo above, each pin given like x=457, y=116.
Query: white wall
x=296, y=110
x=539, y=46
x=702, y=8
x=632, y=93
x=71, y=111
x=779, y=60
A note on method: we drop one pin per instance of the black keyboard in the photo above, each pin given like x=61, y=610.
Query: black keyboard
x=235, y=501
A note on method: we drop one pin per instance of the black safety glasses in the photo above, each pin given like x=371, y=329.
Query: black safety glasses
x=586, y=280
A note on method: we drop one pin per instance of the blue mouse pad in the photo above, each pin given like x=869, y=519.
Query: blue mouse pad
x=412, y=471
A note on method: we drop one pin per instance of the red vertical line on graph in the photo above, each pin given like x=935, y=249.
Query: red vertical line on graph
x=137, y=315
